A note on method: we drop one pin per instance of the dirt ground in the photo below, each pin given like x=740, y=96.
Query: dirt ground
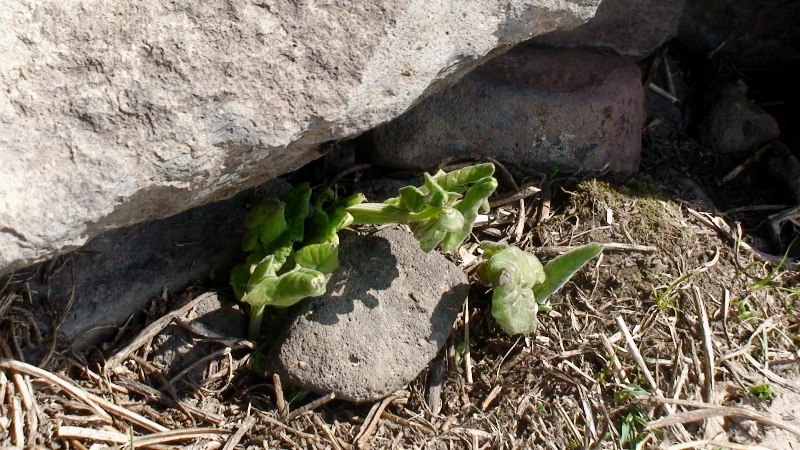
x=683, y=334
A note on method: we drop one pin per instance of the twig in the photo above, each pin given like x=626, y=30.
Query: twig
x=490, y=398
x=434, y=382
x=67, y=432
x=364, y=435
x=746, y=163
x=708, y=357
x=280, y=400
x=664, y=93
x=19, y=367
x=525, y=192
x=635, y=353
x=407, y=423
x=311, y=406
x=715, y=444
x=233, y=441
x=283, y=426
x=607, y=247
x=17, y=432
x=327, y=431
x=152, y=331
x=708, y=410
x=637, y=356
x=519, y=228
x=467, y=345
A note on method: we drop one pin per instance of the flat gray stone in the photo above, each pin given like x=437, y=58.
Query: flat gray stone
x=388, y=310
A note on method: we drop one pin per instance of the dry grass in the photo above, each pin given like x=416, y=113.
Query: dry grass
x=653, y=345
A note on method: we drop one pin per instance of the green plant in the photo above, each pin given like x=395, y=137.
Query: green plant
x=442, y=211
x=284, y=265
x=762, y=391
x=522, y=285
x=294, y=244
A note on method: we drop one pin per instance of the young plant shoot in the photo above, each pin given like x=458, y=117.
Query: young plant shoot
x=522, y=285
x=442, y=211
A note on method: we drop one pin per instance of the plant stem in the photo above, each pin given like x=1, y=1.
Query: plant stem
x=378, y=213
x=256, y=317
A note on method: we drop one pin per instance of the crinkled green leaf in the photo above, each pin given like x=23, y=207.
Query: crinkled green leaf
x=297, y=202
x=240, y=275
x=451, y=220
x=436, y=196
x=514, y=308
x=465, y=176
x=468, y=207
x=511, y=266
x=250, y=240
x=512, y=273
x=559, y=270
x=287, y=289
x=411, y=199
x=265, y=223
x=323, y=257
x=429, y=234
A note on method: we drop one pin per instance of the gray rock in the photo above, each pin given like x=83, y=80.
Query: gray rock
x=118, y=274
x=115, y=114
x=552, y=109
x=757, y=34
x=632, y=28
x=732, y=124
x=389, y=309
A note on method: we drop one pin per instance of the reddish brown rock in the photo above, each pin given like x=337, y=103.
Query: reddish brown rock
x=571, y=110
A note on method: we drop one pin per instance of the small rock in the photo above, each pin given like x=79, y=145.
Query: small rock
x=732, y=123
x=571, y=110
x=388, y=310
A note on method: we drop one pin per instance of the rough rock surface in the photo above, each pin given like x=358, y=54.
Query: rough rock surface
x=119, y=113
x=632, y=28
x=733, y=124
x=568, y=109
x=118, y=274
x=389, y=309
x=757, y=34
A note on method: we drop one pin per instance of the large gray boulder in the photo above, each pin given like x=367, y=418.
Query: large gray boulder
x=116, y=113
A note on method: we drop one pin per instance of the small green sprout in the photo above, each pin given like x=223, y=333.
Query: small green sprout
x=442, y=211
x=762, y=391
x=522, y=285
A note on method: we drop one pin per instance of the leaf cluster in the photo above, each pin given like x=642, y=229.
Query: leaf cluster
x=285, y=266
x=441, y=211
x=521, y=284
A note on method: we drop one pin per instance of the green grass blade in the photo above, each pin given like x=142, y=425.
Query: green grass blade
x=561, y=269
